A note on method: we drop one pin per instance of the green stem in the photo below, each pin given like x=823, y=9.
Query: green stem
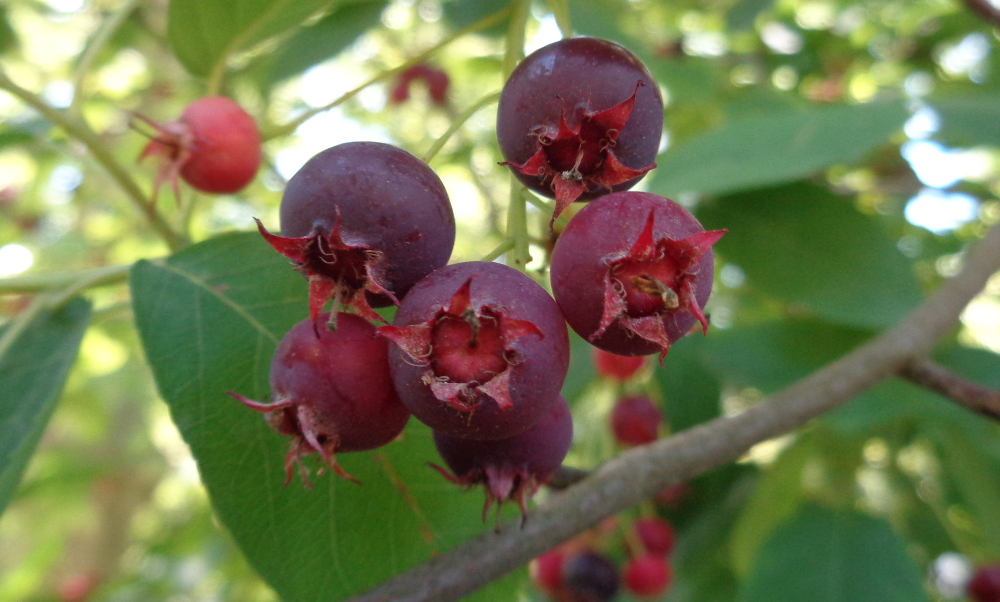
x=502, y=248
x=517, y=227
x=215, y=78
x=288, y=128
x=102, y=276
x=457, y=125
x=515, y=36
x=94, y=47
x=560, y=10
x=81, y=131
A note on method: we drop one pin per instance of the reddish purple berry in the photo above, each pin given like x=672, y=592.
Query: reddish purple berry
x=590, y=577
x=635, y=420
x=985, y=584
x=579, y=118
x=618, y=367
x=364, y=221
x=481, y=351
x=647, y=576
x=331, y=393
x=656, y=535
x=636, y=287
x=214, y=146
x=512, y=468
x=546, y=570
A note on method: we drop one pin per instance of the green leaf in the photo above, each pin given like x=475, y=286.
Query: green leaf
x=743, y=14
x=826, y=556
x=811, y=248
x=210, y=318
x=689, y=389
x=325, y=39
x=32, y=374
x=204, y=32
x=971, y=119
x=772, y=355
x=754, y=150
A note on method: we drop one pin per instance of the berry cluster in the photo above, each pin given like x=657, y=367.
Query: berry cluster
x=477, y=350
x=576, y=571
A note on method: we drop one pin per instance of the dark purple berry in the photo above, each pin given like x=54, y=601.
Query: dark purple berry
x=481, y=351
x=590, y=577
x=364, y=221
x=331, y=393
x=579, y=118
x=632, y=272
x=512, y=468
x=985, y=584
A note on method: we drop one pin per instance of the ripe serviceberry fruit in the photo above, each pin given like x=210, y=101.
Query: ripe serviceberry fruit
x=647, y=576
x=635, y=420
x=632, y=272
x=436, y=80
x=214, y=146
x=481, y=351
x=364, y=221
x=618, y=367
x=512, y=468
x=546, y=570
x=331, y=394
x=985, y=584
x=579, y=118
x=590, y=577
x=656, y=535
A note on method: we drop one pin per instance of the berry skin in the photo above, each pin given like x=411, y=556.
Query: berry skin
x=636, y=287
x=512, y=468
x=647, y=576
x=546, y=570
x=635, y=420
x=481, y=351
x=579, y=118
x=590, y=577
x=618, y=367
x=985, y=584
x=364, y=221
x=214, y=146
x=656, y=535
x=331, y=393
x=437, y=82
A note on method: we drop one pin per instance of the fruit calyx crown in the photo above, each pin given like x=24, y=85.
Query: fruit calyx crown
x=336, y=269
x=172, y=145
x=466, y=348
x=653, y=279
x=582, y=160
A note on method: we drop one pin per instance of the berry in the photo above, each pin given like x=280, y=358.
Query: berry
x=635, y=420
x=481, y=351
x=364, y=221
x=331, y=393
x=546, y=570
x=646, y=576
x=579, y=118
x=437, y=84
x=618, y=367
x=214, y=146
x=636, y=287
x=985, y=584
x=512, y=468
x=656, y=535
x=590, y=577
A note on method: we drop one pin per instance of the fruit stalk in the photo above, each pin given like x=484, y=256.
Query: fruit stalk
x=640, y=473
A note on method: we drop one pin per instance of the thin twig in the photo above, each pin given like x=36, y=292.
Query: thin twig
x=641, y=472
x=78, y=129
x=939, y=379
x=457, y=124
x=101, y=276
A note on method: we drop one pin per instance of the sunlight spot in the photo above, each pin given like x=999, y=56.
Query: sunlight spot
x=14, y=259
x=940, y=211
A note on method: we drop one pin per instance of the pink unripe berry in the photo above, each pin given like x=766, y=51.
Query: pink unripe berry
x=647, y=576
x=618, y=367
x=656, y=535
x=985, y=584
x=635, y=420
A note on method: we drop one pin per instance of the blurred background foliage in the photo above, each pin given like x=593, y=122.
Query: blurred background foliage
x=850, y=147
